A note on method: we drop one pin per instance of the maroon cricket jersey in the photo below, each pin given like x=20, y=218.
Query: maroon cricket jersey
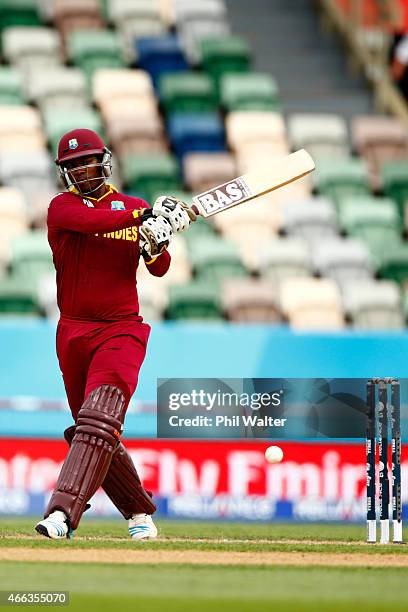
x=95, y=247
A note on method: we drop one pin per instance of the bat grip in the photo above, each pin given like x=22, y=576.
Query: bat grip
x=195, y=209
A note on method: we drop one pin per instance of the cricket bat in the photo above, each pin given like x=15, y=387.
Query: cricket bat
x=253, y=184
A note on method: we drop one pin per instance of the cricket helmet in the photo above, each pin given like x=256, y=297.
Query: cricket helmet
x=79, y=143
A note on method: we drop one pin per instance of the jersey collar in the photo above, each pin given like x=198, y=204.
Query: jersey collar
x=112, y=189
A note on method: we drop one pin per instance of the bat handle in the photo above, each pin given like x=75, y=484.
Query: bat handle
x=195, y=209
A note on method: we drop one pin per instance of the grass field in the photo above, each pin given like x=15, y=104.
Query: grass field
x=201, y=566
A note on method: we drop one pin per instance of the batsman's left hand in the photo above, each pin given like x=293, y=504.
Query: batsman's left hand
x=177, y=213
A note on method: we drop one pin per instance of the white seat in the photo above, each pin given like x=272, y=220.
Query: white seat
x=20, y=129
x=311, y=303
x=128, y=107
x=30, y=47
x=108, y=84
x=310, y=219
x=374, y=304
x=203, y=171
x=58, y=86
x=321, y=134
x=342, y=259
x=284, y=257
x=246, y=128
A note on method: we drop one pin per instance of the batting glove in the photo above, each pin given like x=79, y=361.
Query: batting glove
x=177, y=213
x=155, y=235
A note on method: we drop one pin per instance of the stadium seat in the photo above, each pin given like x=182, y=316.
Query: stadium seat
x=322, y=135
x=13, y=218
x=187, y=92
x=20, y=129
x=284, y=257
x=312, y=304
x=203, y=171
x=11, y=90
x=374, y=220
x=223, y=55
x=395, y=184
x=17, y=297
x=310, y=219
x=59, y=121
x=214, y=260
x=373, y=304
x=144, y=175
x=393, y=263
x=195, y=132
x=254, y=128
x=159, y=55
x=58, y=87
x=93, y=49
x=137, y=135
x=250, y=227
x=195, y=300
x=31, y=257
x=135, y=20
x=250, y=91
x=29, y=48
x=342, y=259
x=379, y=139
x=250, y=300
x=72, y=15
x=32, y=176
x=196, y=21
x=338, y=178
x=19, y=13
x=128, y=108
x=109, y=83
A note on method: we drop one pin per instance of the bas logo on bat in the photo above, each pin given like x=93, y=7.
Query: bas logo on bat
x=225, y=195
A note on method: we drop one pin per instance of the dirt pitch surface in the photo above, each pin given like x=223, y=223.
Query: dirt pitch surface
x=200, y=557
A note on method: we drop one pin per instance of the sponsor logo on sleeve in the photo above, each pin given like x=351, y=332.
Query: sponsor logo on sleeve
x=117, y=205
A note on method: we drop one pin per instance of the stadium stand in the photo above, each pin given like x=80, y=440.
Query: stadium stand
x=186, y=104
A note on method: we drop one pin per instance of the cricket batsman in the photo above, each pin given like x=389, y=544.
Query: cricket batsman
x=98, y=237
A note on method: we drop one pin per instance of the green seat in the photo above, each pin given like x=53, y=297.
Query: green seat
x=17, y=297
x=395, y=183
x=10, y=86
x=19, y=13
x=221, y=55
x=393, y=263
x=58, y=122
x=251, y=91
x=194, y=300
x=215, y=259
x=341, y=178
x=31, y=257
x=147, y=175
x=187, y=92
x=375, y=220
x=92, y=49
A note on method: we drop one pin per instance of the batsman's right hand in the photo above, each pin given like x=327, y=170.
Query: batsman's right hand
x=177, y=213
x=155, y=234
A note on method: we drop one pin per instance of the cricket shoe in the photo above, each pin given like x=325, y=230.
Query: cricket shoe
x=55, y=526
x=141, y=527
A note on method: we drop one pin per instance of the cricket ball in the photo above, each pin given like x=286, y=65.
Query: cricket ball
x=274, y=454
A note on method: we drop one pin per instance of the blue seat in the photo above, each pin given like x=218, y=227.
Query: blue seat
x=189, y=132
x=160, y=54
